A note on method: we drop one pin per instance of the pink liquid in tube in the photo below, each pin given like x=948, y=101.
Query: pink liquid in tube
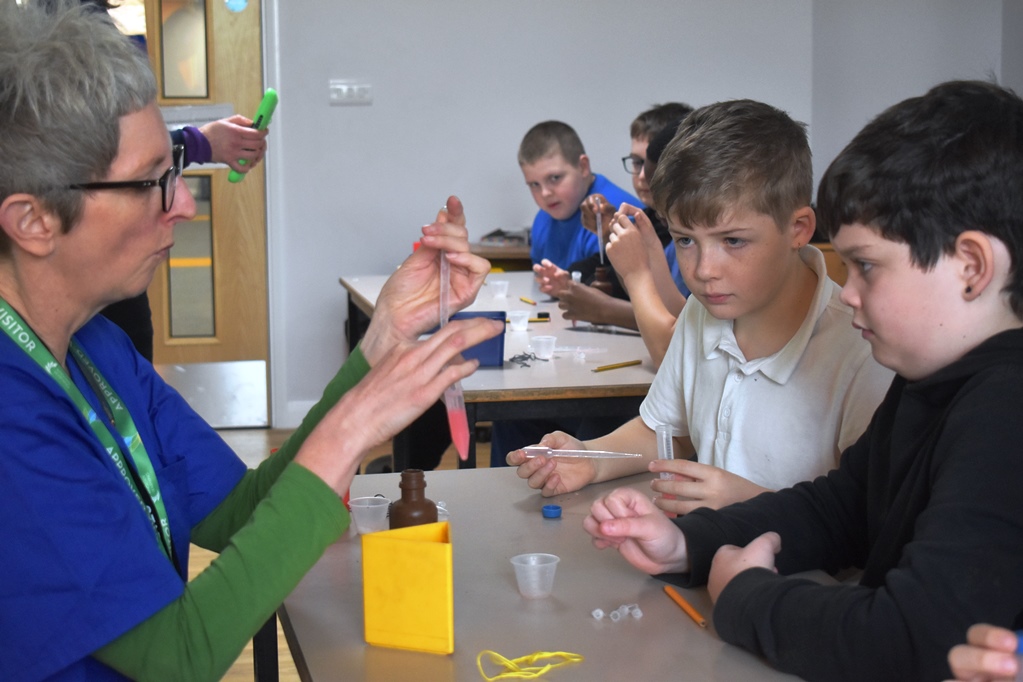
x=454, y=401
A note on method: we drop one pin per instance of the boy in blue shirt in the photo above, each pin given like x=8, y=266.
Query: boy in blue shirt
x=557, y=172
x=925, y=208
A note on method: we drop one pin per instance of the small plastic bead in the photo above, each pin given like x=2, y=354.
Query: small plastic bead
x=637, y=613
x=598, y=613
x=615, y=616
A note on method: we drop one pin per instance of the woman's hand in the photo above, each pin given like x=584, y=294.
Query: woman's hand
x=409, y=303
x=402, y=385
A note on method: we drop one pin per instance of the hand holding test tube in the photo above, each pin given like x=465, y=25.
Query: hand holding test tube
x=666, y=450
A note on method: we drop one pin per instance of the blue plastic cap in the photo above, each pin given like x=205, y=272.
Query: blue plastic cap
x=551, y=511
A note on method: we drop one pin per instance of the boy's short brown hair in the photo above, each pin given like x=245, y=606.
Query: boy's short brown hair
x=547, y=137
x=733, y=154
x=657, y=118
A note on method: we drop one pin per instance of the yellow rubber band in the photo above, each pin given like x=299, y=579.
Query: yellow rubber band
x=519, y=668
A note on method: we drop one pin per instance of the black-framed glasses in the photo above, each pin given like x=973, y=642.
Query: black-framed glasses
x=633, y=164
x=167, y=182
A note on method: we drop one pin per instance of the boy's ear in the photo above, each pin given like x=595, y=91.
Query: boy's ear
x=976, y=260
x=584, y=164
x=803, y=223
x=28, y=224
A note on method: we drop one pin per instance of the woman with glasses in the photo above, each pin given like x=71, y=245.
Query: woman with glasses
x=107, y=474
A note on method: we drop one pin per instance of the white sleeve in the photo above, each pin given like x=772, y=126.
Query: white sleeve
x=664, y=402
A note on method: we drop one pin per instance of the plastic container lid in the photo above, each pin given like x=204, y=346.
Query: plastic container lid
x=551, y=511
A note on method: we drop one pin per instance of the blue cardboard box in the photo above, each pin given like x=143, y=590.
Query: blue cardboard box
x=490, y=353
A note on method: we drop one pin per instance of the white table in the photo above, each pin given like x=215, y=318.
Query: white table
x=563, y=387
x=494, y=516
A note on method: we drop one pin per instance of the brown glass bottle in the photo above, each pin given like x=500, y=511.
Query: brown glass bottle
x=413, y=508
x=602, y=279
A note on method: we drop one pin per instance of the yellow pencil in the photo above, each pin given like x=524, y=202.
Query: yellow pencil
x=686, y=606
x=527, y=300
x=617, y=365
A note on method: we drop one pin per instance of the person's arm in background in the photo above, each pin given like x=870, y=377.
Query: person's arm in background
x=223, y=141
x=637, y=262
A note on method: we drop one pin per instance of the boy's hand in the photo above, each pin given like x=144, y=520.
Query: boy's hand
x=641, y=222
x=730, y=561
x=988, y=655
x=409, y=303
x=581, y=302
x=632, y=244
x=589, y=213
x=627, y=520
x=553, y=476
x=627, y=249
x=552, y=279
x=699, y=485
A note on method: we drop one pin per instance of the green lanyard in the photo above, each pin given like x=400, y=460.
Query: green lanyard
x=148, y=493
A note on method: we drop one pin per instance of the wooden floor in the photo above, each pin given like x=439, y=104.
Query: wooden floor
x=252, y=445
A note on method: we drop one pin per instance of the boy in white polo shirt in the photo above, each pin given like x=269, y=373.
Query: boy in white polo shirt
x=765, y=381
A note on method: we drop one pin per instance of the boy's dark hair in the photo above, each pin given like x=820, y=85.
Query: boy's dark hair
x=655, y=119
x=734, y=154
x=659, y=142
x=931, y=167
x=547, y=137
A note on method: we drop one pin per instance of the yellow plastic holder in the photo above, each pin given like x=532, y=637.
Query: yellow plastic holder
x=408, y=595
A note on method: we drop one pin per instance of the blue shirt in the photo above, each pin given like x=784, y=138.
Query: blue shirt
x=672, y=255
x=81, y=564
x=564, y=242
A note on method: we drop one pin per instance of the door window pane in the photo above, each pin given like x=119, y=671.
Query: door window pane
x=192, y=310
x=183, y=39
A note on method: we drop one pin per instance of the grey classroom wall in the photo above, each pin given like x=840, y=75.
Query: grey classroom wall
x=456, y=83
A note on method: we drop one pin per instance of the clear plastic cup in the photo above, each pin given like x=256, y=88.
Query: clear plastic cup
x=535, y=574
x=499, y=287
x=519, y=320
x=543, y=346
x=370, y=513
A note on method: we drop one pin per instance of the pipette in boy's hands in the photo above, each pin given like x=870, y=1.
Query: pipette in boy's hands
x=600, y=229
x=454, y=400
x=541, y=450
x=665, y=450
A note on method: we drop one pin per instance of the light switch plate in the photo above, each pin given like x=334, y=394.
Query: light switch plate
x=346, y=93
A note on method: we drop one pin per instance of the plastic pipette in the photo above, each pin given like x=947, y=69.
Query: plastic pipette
x=665, y=450
x=540, y=450
x=600, y=231
x=454, y=400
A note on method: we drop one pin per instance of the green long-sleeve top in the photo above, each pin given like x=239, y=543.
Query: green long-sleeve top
x=269, y=531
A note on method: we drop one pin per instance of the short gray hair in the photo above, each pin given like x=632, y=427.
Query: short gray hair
x=67, y=76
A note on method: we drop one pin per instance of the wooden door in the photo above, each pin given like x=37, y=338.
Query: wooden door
x=209, y=301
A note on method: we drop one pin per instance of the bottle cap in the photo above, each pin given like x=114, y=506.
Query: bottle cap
x=551, y=511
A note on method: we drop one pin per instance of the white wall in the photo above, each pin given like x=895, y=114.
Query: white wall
x=870, y=54
x=456, y=83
